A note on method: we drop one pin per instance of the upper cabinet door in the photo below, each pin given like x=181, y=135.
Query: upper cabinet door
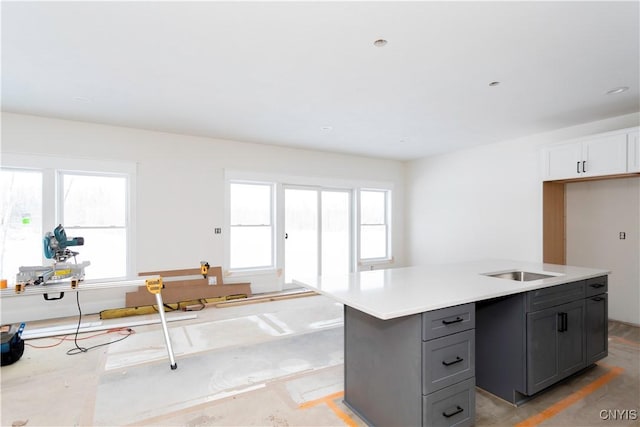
x=633, y=161
x=604, y=155
x=563, y=161
x=611, y=153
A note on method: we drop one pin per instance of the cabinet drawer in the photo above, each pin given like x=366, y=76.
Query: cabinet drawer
x=555, y=295
x=446, y=321
x=596, y=286
x=453, y=406
x=447, y=360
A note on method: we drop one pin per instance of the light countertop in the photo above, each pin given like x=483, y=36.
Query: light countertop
x=397, y=292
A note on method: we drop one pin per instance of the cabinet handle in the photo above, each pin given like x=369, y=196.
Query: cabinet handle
x=449, y=322
x=578, y=167
x=584, y=166
x=597, y=285
x=562, y=322
x=458, y=359
x=451, y=412
x=597, y=299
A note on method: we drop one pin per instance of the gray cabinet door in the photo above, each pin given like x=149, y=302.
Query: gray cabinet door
x=555, y=344
x=542, y=349
x=571, y=339
x=596, y=328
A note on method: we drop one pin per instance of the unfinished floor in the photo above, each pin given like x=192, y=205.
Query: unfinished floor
x=277, y=363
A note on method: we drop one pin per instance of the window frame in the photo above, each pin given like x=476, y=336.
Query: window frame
x=52, y=166
x=388, y=257
x=60, y=214
x=228, y=226
x=279, y=183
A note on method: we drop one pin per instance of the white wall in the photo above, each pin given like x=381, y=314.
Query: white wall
x=180, y=182
x=484, y=202
x=596, y=212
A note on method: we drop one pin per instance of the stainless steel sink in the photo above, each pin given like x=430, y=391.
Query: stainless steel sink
x=520, y=276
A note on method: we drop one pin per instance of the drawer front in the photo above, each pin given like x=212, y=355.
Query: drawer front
x=453, y=406
x=596, y=286
x=555, y=295
x=447, y=360
x=446, y=321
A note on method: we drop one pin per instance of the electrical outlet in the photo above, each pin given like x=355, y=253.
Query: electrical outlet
x=217, y=230
x=623, y=235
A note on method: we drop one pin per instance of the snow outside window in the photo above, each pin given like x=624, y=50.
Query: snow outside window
x=251, y=225
x=374, y=227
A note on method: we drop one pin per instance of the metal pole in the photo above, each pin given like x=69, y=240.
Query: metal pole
x=167, y=339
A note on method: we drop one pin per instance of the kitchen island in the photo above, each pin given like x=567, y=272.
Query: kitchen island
x=411, y=335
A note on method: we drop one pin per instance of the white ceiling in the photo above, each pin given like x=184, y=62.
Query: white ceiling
x=280, y=72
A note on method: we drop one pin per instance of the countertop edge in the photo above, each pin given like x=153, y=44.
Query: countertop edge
x=421, y=308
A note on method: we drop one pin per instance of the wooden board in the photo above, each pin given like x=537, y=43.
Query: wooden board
x=185, y=293
x=213, y=272
x=265, y=298
x=172, y=273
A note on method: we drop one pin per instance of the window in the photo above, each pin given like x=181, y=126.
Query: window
x=21, y=220
x=304, y=227
x=251, y=225
x=374, y=229
x=96, y=205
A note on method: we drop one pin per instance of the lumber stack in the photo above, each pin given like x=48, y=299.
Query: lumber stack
x=233, y=302
x=186, y=285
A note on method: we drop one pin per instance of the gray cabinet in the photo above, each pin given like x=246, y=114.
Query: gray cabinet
x=528, y=342
x=448, y=357
x=596, y=317
x=555, y=344
x=413, y=370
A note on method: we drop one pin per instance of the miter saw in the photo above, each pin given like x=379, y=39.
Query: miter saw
x=56, y=247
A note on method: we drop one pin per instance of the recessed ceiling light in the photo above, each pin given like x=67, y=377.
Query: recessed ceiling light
x=617, y=90
x=494, y=83
x=380, y=43
x=326, y=128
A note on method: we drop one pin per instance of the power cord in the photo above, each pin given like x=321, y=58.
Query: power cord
x=77, y=349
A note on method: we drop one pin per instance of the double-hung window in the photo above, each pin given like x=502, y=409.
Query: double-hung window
x=20, y=220
x=374, y=225
x=38, y=193
x=251, y=225
x=94, y=206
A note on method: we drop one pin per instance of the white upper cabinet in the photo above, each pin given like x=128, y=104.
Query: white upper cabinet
x=598, y=155
x=563, y=161
x=633, y=161
x=604, y=156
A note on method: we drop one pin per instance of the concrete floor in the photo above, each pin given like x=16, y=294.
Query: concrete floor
x=278, y=363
